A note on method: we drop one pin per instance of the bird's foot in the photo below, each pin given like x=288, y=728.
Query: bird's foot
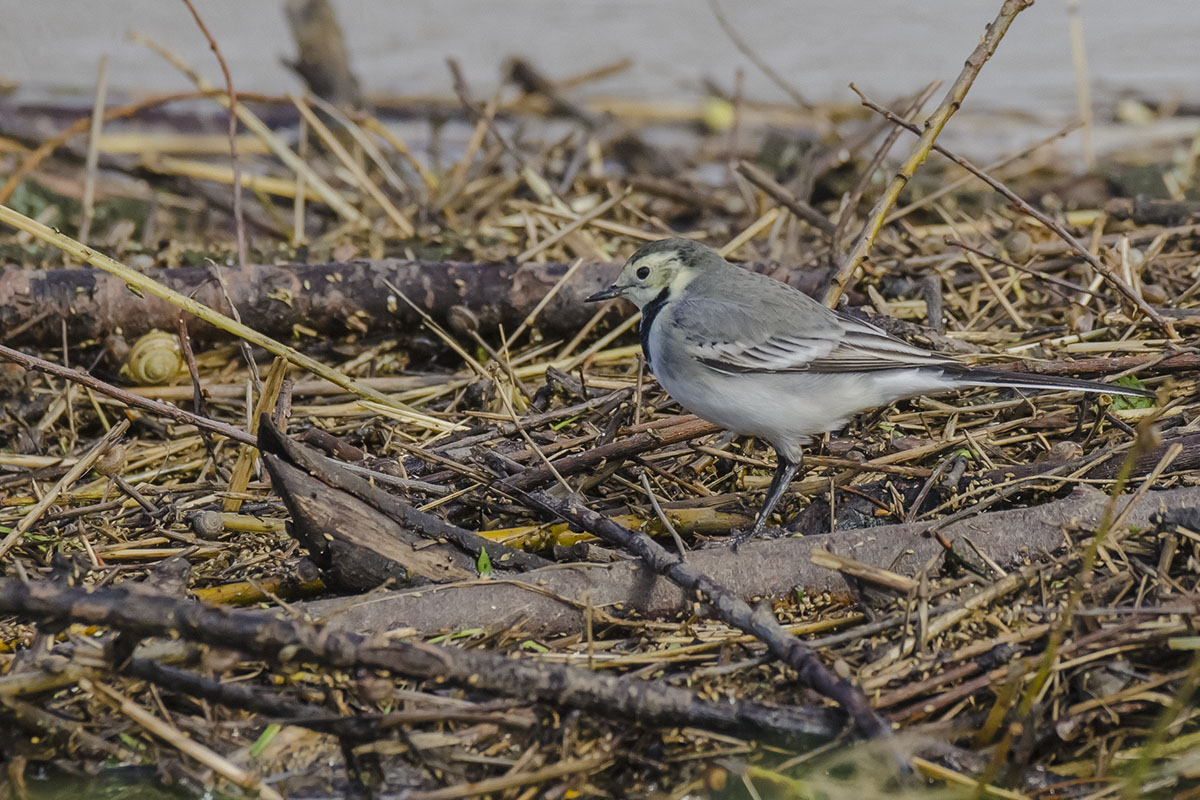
x=736, y=538
x=741, y=537
x=759, y=530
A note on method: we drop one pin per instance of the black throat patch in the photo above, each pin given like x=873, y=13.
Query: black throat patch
x=649, y=314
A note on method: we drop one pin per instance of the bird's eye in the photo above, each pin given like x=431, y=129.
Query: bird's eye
x=643, y=273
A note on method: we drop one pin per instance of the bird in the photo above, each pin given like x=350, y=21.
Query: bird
x=757, y=357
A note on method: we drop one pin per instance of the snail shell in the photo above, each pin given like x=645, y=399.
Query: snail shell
x=208, y=523
x=153, y=359
x=1018, y=245
x=113, y=461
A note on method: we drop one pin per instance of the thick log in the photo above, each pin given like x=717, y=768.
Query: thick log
x=555, y=600
x=332, y=299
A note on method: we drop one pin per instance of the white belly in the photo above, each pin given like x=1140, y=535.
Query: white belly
x=785, y=409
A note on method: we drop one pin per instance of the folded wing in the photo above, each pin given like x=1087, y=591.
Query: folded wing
x=732, y=336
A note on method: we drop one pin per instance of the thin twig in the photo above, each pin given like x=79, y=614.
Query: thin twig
x=239, y=223
x=946, y=189
x=512, y=414
x=851, y=201
x=1050, y=223
x=176, y=738
x=933, y=128
x=490, y=786
x=571, y=227
x=760, y=623
x=755, y=59
x=77, y=471
x=662, y=517
x=545, y=301
x=243, y=345
x=129, y=398
x=402, y=223
x=1083, y=91
x=256, y=126
x=781, y=194
x=93, y=151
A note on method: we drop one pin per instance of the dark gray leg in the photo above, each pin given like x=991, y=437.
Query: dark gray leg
x=784, y=472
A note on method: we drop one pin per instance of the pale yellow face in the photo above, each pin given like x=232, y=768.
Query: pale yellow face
x=644, y=277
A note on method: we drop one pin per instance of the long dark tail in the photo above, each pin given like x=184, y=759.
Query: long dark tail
x=1025, y=380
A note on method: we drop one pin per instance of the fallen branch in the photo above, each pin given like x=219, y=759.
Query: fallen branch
x=853, y=508
x=358, y=728
x=141, y=283
x=282, y=641
x=356, y=547
x=332, y=299
x=729, y=607
x=555, y=601
x=362, y=536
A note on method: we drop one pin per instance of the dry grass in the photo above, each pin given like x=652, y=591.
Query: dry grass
x=1076, y=679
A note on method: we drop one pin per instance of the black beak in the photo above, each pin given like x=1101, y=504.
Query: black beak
x=605, y=294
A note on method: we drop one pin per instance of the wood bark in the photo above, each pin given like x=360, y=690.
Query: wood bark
x=283, y=639
x=555, y=600
x=361, y=536
x=356, y=547
x=860, y=508
x=332, y=299
x=730, y=608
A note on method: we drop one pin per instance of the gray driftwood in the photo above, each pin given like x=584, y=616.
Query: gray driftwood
x=361, y=536
x=553, y=600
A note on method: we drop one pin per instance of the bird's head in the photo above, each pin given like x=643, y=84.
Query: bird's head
x=665, y=266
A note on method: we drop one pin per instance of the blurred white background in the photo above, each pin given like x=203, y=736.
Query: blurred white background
x=400, y=46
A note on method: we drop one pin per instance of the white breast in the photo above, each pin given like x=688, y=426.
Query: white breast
x=785, y=409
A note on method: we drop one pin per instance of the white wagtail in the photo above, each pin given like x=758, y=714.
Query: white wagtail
x=755, y=356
